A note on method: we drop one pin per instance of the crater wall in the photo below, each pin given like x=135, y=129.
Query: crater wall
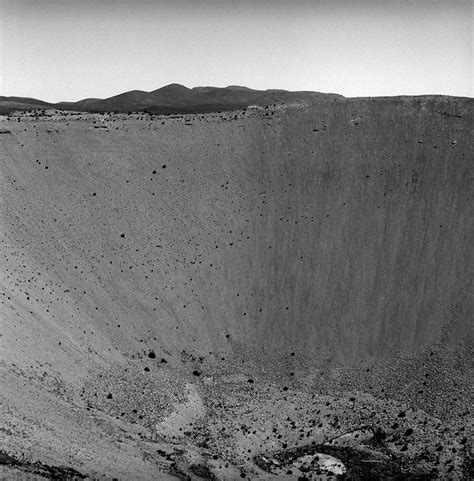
x=343, y=230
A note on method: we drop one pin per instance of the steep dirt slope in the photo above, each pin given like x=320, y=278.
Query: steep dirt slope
x=341, y=231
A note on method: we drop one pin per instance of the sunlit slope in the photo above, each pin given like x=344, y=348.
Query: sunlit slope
x=344, y=229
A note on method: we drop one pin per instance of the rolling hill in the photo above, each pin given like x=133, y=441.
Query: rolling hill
x=173, y=98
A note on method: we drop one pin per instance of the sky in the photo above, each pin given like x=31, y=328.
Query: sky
x=68, y=50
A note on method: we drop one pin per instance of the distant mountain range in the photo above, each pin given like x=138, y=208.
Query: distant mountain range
x=173, y=98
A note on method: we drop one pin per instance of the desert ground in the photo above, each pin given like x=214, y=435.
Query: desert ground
x=283, y=292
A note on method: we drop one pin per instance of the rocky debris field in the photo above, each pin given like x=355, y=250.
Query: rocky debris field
x=238, y=420
x=250, y=421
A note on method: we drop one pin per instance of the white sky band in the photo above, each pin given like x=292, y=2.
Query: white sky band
x=69, y=50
